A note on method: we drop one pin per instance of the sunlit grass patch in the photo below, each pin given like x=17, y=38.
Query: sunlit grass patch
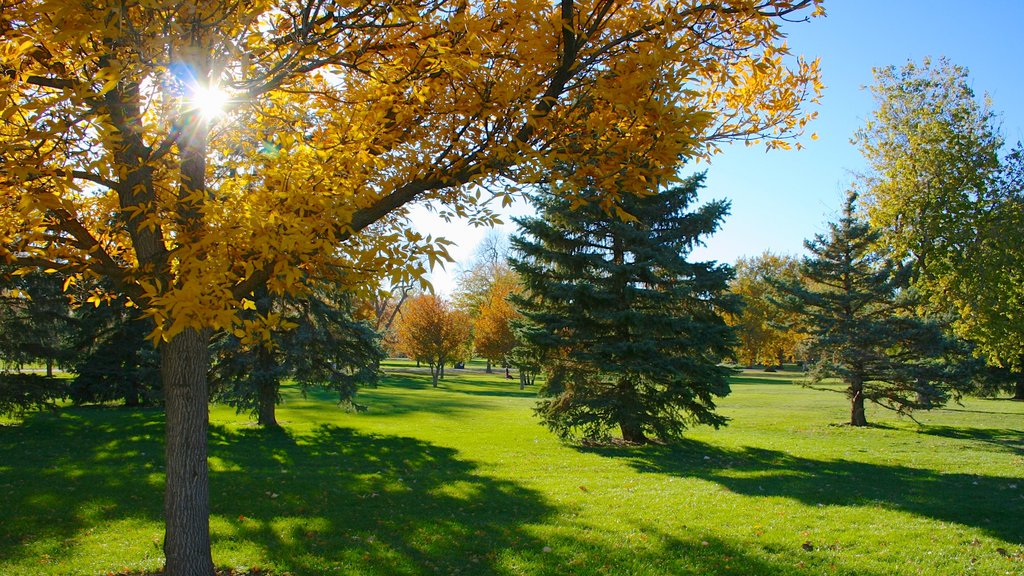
x=462, y=480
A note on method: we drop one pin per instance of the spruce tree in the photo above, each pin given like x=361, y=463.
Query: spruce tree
x=629, y=334
x=856, y=307
x=325, y=347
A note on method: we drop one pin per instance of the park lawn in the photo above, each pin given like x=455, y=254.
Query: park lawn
x=461, y=479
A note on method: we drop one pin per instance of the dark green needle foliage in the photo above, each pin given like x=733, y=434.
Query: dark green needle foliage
x=327, y=348
x=629, y=334
x=860, y=316
x=113, y=359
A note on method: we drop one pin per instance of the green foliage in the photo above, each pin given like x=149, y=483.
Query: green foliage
x=325, y=347
x=113, y=360
x=944, y=201
x=933, y=151
x=20, y=393
x=35, y=319
x=629, y=333
x=859, y=315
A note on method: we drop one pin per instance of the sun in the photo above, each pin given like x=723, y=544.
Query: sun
x=210, y=101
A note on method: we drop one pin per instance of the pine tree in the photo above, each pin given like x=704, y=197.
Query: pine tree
x=322, y=345
x=857, y=309
x=628, y=332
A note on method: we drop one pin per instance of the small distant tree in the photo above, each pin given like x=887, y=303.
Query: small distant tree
x=432, y=331
x=767, y=334
x=487, y=271
x=630, y=333
x=382, y=311
x=858, y=313
x=493, y=337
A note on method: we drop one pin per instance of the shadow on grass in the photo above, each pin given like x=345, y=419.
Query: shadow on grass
x=781, y=380
x=331, y=501
x=1001, y=438
x=62, y=474
x=992, y=504
x=339, y=500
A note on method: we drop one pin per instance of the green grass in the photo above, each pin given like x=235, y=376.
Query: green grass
x=462, y=480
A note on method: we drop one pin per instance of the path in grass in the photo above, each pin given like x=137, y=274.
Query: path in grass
x=462, y=480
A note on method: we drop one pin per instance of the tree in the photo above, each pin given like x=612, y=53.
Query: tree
x=493, y=337
x=933, y=153
x=631, y=333
x=942, y=199
x=192, y=154
x=35, y=319
x=383, y=309
x=112, y=359
x=766, y=333
x=987, y=290
x=323, y=345
x=489, y=269
x=432, y=331
x=858, y=313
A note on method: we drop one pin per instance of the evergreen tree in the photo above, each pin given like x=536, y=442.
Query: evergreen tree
x=858, y=311
x=629, y=333
x=112, y=359
x=321, y=345
x=35, y=319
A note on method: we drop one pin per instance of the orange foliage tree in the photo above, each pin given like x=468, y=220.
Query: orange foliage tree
x=493, y=337
x=189, y=153
x=430, y=330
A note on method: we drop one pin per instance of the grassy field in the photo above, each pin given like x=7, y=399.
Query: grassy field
x=462, y=480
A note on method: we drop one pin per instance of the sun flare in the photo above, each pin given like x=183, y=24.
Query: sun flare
x=210, y=101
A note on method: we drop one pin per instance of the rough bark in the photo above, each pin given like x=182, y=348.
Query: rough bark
x=268, y=386
x=183, y=364
x=435, y=371
x=857, y=417
x=632, y=431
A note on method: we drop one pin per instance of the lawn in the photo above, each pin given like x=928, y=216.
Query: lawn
x=462, y=480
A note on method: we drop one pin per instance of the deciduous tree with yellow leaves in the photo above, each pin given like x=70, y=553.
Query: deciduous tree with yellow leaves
x=190, y=152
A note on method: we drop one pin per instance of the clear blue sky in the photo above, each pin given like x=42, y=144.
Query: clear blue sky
x=780, y=198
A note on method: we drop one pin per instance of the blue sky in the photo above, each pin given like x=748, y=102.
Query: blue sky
x=779, y=198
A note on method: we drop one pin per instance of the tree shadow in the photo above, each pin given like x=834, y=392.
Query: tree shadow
x=1004, y=439
x=62, y=473
x=990, y=503
x=327, y=502
x=335, y=498
x=404, y=395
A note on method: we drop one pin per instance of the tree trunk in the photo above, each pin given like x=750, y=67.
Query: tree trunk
x=132, y=398
x=488, y=370
x=1018, y=389
x=434, y=373
x=183, y=364
x=440, y=369
x=266, y=369
x=49, y=367
x=857, y=417
x=632, y=431
x=522, y=379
